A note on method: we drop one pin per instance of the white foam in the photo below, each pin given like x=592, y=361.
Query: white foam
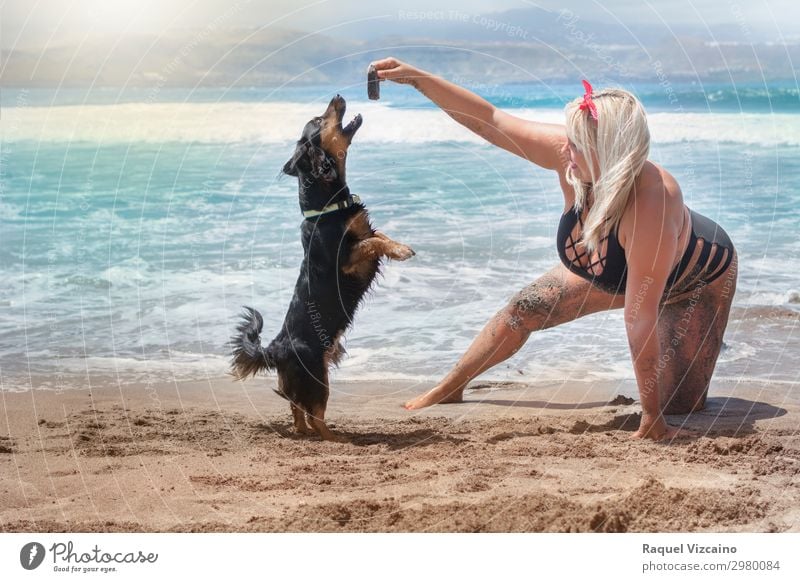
x=174, y=364
x=279, y=122
x=758, y=298
x=769, y=129
x=736, y=351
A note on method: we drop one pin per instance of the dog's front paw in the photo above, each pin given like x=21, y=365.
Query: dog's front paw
x=402, y=252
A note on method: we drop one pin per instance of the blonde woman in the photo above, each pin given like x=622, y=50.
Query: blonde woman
x=625, y=239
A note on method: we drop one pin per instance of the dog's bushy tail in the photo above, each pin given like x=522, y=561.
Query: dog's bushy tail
x=248, y=356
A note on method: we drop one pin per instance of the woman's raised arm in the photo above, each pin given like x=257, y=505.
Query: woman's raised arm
x=540, y=143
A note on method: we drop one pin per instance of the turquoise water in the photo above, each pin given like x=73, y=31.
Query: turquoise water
x=135, y=226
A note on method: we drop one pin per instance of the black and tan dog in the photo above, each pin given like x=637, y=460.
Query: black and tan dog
x=342, y=257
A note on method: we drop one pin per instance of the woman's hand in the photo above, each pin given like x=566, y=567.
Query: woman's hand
x=397, y=71
x=536, y=142
x=657, y=429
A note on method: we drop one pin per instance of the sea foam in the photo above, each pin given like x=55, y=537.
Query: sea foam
x=279, y=122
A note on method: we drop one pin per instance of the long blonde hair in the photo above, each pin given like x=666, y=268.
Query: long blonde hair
x=621, y=139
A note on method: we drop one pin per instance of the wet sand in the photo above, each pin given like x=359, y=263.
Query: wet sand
x=221, y=456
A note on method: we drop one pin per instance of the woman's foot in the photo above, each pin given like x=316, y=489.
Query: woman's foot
x=436, y=395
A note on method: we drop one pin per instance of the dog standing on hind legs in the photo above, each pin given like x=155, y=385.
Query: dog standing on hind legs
x=342, y=256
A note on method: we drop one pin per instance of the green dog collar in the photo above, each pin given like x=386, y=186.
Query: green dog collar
x=351, y=200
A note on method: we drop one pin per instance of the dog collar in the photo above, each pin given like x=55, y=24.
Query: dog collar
x=351, y=200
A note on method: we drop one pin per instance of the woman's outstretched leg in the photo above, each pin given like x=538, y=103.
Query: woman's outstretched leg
x=556, y=297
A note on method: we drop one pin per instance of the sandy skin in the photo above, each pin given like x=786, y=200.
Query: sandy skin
x=558, y=297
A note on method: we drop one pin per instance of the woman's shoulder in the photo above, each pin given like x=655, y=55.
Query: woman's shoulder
x=656, y=197
x=658, y=188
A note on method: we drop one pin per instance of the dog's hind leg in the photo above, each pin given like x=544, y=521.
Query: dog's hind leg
x=317, y=420
x=308, y=389
x=300, y=420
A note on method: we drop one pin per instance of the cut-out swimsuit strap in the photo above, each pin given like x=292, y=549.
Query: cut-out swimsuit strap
x=707, y=255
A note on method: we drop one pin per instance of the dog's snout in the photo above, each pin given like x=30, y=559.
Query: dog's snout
x=338, y=103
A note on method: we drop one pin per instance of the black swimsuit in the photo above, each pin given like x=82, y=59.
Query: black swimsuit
x=710, y=245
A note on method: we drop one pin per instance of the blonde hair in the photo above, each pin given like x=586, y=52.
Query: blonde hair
x=621, y=140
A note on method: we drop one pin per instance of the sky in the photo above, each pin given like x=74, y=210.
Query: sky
x=36, y=23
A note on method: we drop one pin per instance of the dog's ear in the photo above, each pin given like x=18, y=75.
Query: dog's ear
x=322, y=166
x=290, y=167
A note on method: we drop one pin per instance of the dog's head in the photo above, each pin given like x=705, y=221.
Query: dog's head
x=321, y=150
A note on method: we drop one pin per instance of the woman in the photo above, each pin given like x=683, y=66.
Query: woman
x=625, y=239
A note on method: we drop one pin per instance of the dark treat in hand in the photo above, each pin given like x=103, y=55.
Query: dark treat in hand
x=373, y=85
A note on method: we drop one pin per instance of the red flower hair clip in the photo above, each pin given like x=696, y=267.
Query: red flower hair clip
x=587, y=100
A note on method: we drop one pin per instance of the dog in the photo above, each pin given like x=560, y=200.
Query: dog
x=343, y=255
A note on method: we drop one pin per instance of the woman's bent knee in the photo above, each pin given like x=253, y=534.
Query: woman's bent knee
x=532, y=308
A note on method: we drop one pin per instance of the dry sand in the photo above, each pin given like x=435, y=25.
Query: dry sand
x=221, y=456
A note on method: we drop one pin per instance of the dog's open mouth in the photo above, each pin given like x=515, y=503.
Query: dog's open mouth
x=340, y=106
x=350, y=129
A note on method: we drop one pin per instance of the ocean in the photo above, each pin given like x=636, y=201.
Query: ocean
x=134, y=225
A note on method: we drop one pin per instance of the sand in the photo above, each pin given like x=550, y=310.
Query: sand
x=221, y=456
